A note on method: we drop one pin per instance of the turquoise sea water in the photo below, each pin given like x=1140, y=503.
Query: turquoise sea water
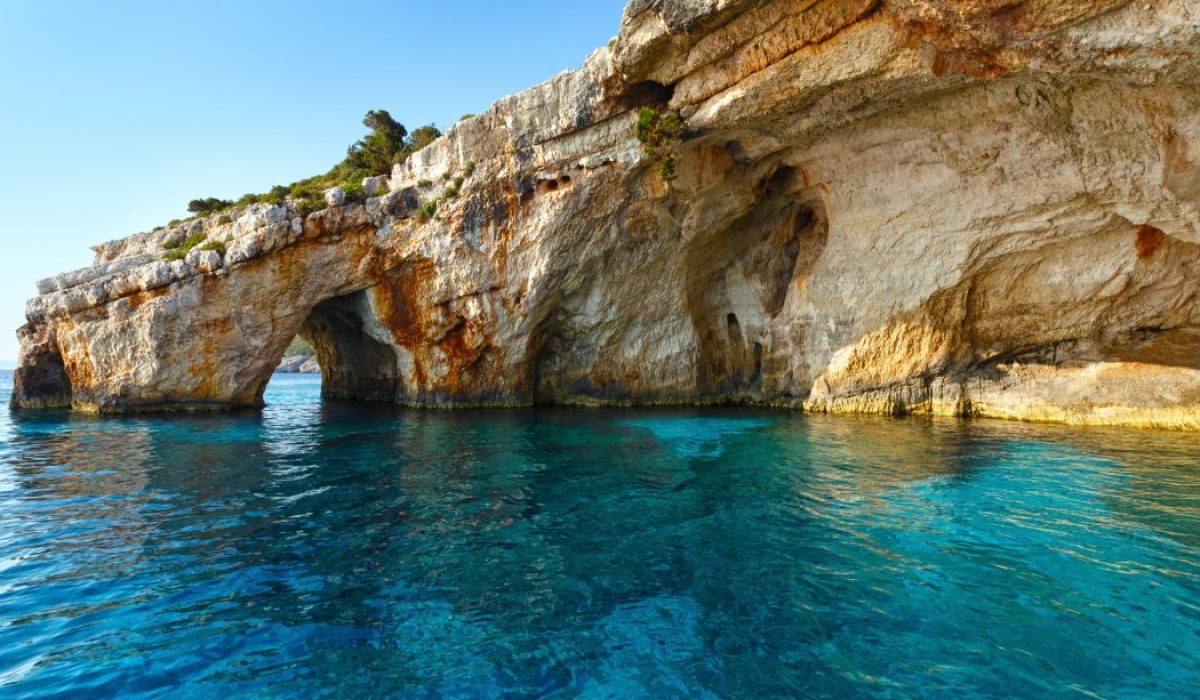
x=357, y=552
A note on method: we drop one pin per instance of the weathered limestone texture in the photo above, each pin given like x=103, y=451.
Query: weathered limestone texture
x=968, y=207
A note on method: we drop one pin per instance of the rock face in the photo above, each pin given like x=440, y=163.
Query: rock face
x=298, y=364
x=969, y=207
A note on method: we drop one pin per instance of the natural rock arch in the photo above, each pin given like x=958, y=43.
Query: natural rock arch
x=42, y=376
x=356, y=364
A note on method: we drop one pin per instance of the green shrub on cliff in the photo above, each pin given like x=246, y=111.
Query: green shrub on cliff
x=354, y=192
x=179, y=251
x=421, y=138
x=428, y=210
x=659, y=134
x=308, y=205
x=300, y=348
x=218, y=246
x=208, y=206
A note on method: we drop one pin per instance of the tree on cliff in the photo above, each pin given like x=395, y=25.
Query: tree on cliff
x=206, y=206
x=421, y=138
x=377, y=152
x=388, y=143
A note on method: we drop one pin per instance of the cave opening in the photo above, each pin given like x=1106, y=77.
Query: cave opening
x=739, y=279
x=348, y=344
x=42, y=381
x=647, y=93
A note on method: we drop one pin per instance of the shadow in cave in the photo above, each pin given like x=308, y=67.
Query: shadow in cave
x=356, y=365
x=739, y=278
x=42, y=381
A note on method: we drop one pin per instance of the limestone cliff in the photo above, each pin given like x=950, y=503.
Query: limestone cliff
x=973, y=207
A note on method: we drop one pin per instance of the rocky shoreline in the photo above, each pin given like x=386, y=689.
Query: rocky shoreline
x=298, y=364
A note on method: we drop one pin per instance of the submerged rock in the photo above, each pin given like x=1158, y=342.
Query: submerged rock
x=957, y=207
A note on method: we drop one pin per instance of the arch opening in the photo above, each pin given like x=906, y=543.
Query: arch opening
x=355, y=364
x=42, y=380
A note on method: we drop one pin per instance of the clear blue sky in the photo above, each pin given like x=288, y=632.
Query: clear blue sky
x=114, y=114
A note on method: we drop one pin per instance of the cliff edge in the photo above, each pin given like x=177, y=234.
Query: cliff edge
x=967, y=207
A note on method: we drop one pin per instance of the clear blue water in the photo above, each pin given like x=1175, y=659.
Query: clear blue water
x=353, y=552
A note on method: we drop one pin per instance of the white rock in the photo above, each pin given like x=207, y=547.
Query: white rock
x=207, y=261
x=374, y=186
x=156, y=274
x=335, y=196
x=181, y=269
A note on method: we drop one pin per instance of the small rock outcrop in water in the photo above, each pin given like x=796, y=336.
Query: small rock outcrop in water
x=298, y=364
x=966, y=207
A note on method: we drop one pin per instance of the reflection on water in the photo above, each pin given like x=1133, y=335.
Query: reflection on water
x=370, y=551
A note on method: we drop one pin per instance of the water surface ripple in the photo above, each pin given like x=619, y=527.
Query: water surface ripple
x=351, y=552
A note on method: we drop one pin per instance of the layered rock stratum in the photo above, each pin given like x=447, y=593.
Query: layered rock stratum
x=967, y=207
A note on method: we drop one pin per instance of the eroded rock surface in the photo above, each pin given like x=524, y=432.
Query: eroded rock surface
x=971, y=207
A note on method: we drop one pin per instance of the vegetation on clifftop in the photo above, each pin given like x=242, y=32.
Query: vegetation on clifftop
x=177, y=250
x=389, y=143
x=299, y=348
x=208, y=206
